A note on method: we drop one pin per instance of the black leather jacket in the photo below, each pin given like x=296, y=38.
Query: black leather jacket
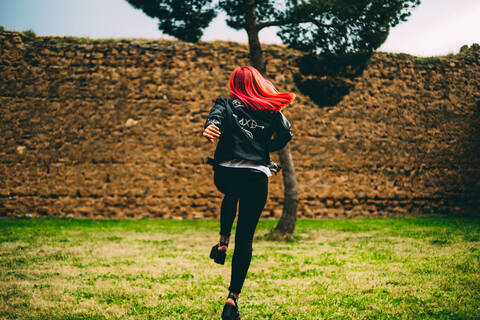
x=246, y=134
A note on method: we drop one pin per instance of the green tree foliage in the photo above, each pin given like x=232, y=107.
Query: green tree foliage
x=184, y=20
x=341, y=26
x=332, y=26
x=320, y=26
x=266, y=12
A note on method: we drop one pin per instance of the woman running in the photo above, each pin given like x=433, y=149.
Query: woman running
x=243, y=126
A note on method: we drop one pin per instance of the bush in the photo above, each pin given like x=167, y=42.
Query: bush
x=29, y=34
x=467, y=52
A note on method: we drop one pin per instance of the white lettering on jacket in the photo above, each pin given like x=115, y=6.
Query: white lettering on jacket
x=250, y=123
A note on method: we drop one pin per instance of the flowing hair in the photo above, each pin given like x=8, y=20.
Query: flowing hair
x=248, y=85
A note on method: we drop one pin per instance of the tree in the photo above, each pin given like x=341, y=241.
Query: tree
x=314, y=26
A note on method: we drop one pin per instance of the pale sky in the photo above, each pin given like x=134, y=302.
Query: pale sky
x=436, y=27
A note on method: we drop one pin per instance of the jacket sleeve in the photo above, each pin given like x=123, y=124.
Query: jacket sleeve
x=217, y=114
x=282, y=134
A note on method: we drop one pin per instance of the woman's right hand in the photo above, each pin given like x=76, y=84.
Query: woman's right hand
x=212, y=132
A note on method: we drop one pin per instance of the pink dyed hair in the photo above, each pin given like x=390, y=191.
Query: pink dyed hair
x=248, y=85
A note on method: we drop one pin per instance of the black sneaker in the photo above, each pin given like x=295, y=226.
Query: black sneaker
x=218, y=255
x=230, y=312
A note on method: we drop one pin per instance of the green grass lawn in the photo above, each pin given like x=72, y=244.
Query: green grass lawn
x=364, y=268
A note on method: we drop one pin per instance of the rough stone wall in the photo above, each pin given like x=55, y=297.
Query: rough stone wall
x=113, y=129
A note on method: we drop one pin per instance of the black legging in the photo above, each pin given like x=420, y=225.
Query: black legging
x=249, y=188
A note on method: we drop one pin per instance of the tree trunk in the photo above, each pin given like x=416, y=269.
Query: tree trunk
x=287, y=222
x=256, y=55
